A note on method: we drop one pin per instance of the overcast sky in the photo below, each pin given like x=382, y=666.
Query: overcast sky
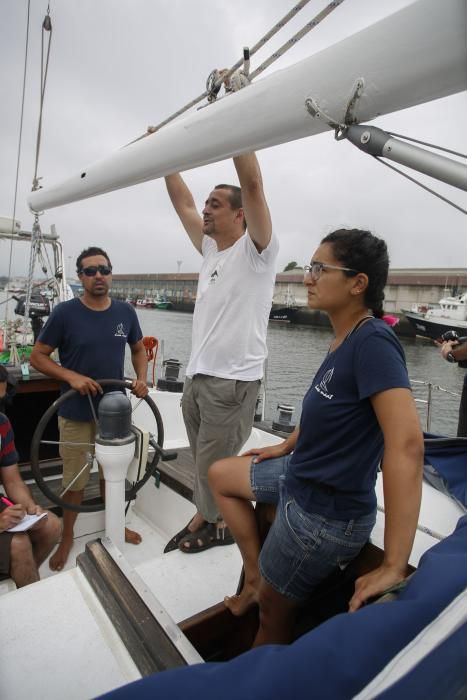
x=118, y=65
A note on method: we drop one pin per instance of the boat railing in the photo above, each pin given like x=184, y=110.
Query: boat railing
x=431, y=389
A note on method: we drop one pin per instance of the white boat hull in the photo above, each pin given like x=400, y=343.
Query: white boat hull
x=411, y=57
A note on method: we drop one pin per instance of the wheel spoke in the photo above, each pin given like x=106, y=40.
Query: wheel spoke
x=68, y=486
x=64, y=442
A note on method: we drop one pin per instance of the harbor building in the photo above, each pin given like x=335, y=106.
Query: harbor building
x=405, y=289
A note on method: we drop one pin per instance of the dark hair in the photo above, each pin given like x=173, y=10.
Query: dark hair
x=89, y=252
x=3, y=374
x=235, y=198
x=364, y=252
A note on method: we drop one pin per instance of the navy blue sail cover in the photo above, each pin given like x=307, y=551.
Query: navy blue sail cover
x=446, y=458
x=341, y=656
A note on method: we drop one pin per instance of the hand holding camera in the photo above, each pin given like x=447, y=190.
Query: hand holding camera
x=449, y=340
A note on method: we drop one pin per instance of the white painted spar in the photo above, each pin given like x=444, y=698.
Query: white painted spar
x=411, y=57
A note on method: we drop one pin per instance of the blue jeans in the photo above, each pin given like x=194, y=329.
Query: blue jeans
x=302, y=549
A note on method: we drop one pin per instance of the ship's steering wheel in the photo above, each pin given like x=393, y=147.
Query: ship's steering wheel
x=156, y=441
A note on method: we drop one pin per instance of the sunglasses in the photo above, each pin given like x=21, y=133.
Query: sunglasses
x=92, y=270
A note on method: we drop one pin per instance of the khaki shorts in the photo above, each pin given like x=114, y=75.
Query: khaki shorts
x=78, y=455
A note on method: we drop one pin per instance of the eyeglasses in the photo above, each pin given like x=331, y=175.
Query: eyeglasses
x=316, y=268
x=92, y=270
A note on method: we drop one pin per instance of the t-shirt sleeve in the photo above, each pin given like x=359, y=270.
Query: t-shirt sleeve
x=380, y=364
x=52, y=332
x=263, y=261
x=135, y=333
x=8, y=453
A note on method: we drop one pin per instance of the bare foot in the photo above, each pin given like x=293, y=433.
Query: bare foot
x=58, y=560
x=239, y=604
x=132, y=536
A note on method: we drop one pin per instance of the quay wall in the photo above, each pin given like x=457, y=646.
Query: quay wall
x=405, y=289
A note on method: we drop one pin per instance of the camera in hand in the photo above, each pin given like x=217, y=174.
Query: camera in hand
x=453, y=335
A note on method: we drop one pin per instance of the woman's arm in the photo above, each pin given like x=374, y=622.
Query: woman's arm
x=272, y=451
x=402, y=484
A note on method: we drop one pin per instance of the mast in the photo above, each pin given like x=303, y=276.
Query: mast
x=411, y=57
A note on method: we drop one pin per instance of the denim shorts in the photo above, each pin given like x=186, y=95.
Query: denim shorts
x=302, y=549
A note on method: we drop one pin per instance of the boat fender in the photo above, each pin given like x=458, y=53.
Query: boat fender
x=151, y=346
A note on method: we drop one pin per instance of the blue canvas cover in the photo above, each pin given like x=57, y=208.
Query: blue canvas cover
x=446, y=466
x=441, y=674
x=340, y=657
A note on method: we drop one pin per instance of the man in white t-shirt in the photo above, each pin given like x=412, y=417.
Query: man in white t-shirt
x=235, y=289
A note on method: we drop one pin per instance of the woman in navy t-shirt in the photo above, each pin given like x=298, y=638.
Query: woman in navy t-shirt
x=358, y=411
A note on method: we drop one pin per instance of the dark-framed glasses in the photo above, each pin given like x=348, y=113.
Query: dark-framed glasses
x=315, y=269
x=92, y=270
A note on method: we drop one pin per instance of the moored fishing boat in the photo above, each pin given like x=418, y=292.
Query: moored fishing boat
x=449, y=314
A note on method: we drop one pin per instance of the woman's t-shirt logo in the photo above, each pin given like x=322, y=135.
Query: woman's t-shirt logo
x=322, y=387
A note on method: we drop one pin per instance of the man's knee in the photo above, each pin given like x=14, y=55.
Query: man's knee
x=20, y=549
x=52, y=527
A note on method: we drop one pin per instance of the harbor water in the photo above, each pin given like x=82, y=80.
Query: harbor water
x=295, y=353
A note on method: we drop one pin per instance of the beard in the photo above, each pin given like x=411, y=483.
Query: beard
x=209, y=229
x=100, y=291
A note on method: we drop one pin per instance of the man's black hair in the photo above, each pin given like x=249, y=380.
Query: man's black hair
x=88, y=253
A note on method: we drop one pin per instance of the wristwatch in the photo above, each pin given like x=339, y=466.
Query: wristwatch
x=450, y=357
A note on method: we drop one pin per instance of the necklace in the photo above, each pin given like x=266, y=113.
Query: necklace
x=352, y=330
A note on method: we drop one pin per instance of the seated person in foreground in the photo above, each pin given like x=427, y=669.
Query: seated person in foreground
x=21, y=553
x=358, y=411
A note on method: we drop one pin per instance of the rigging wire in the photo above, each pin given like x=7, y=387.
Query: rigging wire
x=18, y=159
x=46, y=27
x=259, y=44
x=36, y=229
x=420, y=184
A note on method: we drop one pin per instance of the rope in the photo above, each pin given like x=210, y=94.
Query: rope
x=18, y=153
x=280, y=52
x=296, y=37
x=46, y=27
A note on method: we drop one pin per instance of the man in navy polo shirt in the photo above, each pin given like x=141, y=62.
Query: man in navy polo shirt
x=21, y=553
x=91, y=334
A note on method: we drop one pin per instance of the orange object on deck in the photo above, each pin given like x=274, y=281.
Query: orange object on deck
x=151, y=346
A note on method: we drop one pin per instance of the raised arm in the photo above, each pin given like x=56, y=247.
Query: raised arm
x=184, y=205
x=254, y=202
x=402, y=484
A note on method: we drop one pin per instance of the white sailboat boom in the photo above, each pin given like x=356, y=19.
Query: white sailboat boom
x=411, y=57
